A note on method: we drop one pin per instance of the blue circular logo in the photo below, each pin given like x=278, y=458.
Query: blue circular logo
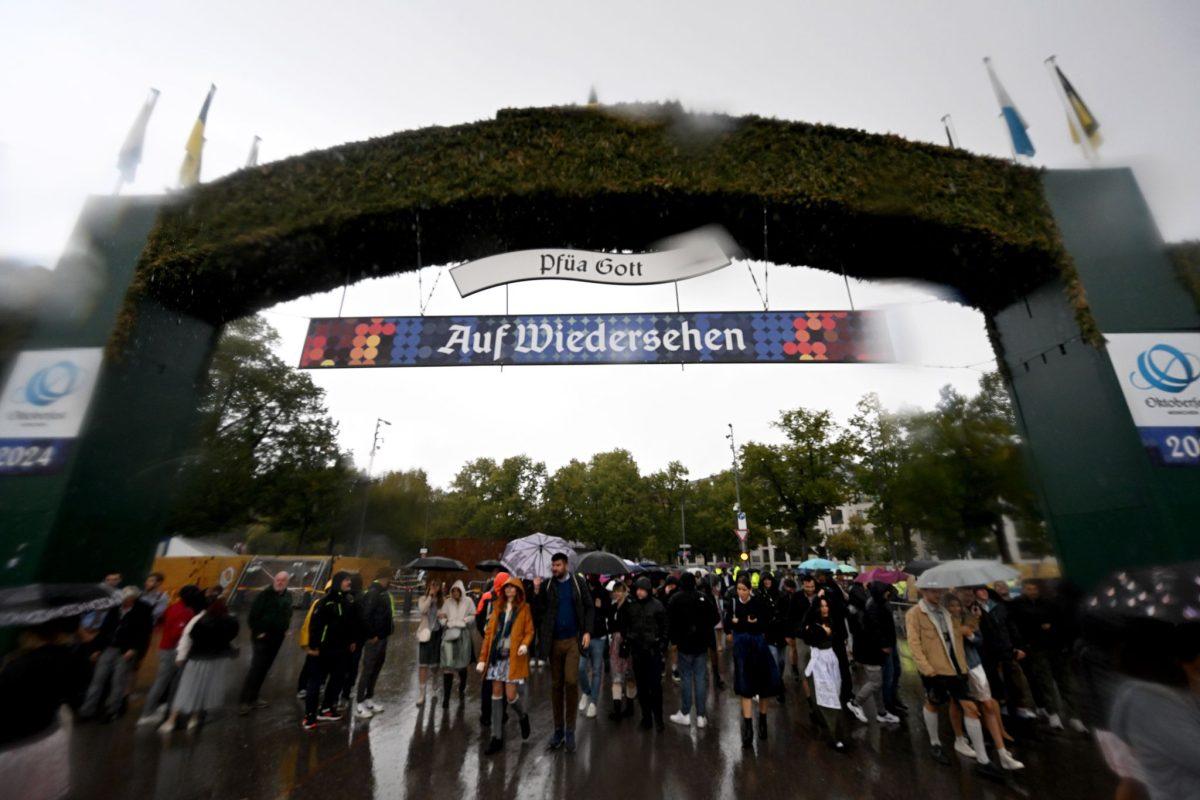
x=1165, y=368
x=52, y=383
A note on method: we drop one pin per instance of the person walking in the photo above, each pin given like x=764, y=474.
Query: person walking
x=504, y=659
x=978, y=686
x=379, y=612
x=175, y=620
x=776, y=626
x=798, y=609
x=122, y=640
x=1039, y=624
x=839, y=606
x=204, y=653
x=873, y=653
x=820, y=632
x=358, y=636
x=330, y=642
x=620, y=667
x=270, y=619
x=716, y=639
x=591, y=660
x=455, y=617
x=1007, y=650
x=755, y=673
x=691, y=617
x=647, y=639
x=936, y=643
x=566, y=633
x=154, y=596
x=429, y=636
x=483, y=614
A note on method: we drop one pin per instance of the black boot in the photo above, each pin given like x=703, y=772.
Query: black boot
x=494, y=746
x=447, y=686
x=747, y=733
x=628, y=707
x=618, y=710
x=762, y=726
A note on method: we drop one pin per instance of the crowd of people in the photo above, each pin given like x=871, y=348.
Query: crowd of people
x=994, y=664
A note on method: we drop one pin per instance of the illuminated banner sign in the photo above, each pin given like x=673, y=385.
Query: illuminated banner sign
x=1159, y=375
x=741, y=337
x=44, y=403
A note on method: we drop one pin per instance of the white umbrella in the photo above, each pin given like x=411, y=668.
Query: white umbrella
x=529, y=556
x=967, y=572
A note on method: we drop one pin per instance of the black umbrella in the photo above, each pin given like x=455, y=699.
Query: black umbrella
x=651, y=566
x=598, y=562
x=917, y=567
x=22, y=606
x=437, y=564
x=492, y=565
x=1170, y=594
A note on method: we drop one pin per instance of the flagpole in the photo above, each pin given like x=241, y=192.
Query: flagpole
x=951, y=132
x=1085, y=142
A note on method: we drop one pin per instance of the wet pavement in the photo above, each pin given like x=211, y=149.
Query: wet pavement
x=408, y=751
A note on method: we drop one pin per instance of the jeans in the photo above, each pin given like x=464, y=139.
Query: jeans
x=373, y=655
x=112, y=676
x=871, y=689
x=164, y=683
x=591, y=668
x=890, y=677
x=564, y=682
x=327, y=665
x=647, y=672
x=693, y=682
x=780, y=655
x=261, y=658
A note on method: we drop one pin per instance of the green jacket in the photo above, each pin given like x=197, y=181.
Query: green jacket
x=271, y=613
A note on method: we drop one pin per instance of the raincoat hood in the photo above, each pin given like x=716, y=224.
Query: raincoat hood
x=461, y=588
x=878, y=590
x=497, y=584
x=520, y=598
x=499, y=581
x=643, y=583
x=335, y=585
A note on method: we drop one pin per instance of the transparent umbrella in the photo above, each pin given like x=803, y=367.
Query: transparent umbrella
x=530, y=555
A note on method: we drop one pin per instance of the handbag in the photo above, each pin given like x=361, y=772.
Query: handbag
x=452, y=634
x=424, y=635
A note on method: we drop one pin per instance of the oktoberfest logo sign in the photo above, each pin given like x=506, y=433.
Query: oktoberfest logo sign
x=1159, y=374
x=744, y=337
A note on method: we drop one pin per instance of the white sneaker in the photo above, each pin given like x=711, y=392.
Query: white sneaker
x=856, y=710
x=363, y=712
x=1025, y=713
x=583, y=702
x=1077, y=725
x=887, y=718
x=701, y=722
x=1055, y=722
x=1007, y=761
x=193, y=722
x=153, y=719
x=376, y=707
x=963, y=747
x=679, y=718
x=166, y=727
x=591, y=711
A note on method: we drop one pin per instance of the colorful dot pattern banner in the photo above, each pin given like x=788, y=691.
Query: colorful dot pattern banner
x=768, y=337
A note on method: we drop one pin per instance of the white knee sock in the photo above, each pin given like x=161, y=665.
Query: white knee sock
x=618, y=691
x=931, y=726
x=975, y=732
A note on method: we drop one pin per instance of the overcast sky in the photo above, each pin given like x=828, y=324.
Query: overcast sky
x=310, y=75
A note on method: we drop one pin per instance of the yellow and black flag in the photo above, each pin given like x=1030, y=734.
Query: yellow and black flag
x=189, y=171
x=1080, y=119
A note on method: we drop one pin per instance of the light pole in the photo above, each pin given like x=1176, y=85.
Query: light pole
x=362, y=520
x=737, y=486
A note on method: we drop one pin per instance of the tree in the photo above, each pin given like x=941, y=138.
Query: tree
x=496, y=501
x=670, y=493
x=856, y=541
x=965, y=473
x=882, y=453
x=401, y=506
x=605, y=503
x=789, y=487
x=269, y=449
x=710, y=515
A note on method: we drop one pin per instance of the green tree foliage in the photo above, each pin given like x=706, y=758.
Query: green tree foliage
x=268, y=448
x=489, y=500
x=964, y=472
x=402, y=507
x=711, y=519
x=605, y=503
x=790, y=486
x=883, y=453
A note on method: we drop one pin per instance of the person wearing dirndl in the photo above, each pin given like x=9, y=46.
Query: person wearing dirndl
x=825, y=669
x=504, y=658
x=206, y=651
x=620, y=665
x=455, y=618
x=755, y=672
x=429, y=636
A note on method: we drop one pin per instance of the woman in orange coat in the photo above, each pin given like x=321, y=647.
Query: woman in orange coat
x=504, y=658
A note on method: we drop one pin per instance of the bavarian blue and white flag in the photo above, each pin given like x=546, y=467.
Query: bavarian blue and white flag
x=1017, y=127
x=131, y=152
